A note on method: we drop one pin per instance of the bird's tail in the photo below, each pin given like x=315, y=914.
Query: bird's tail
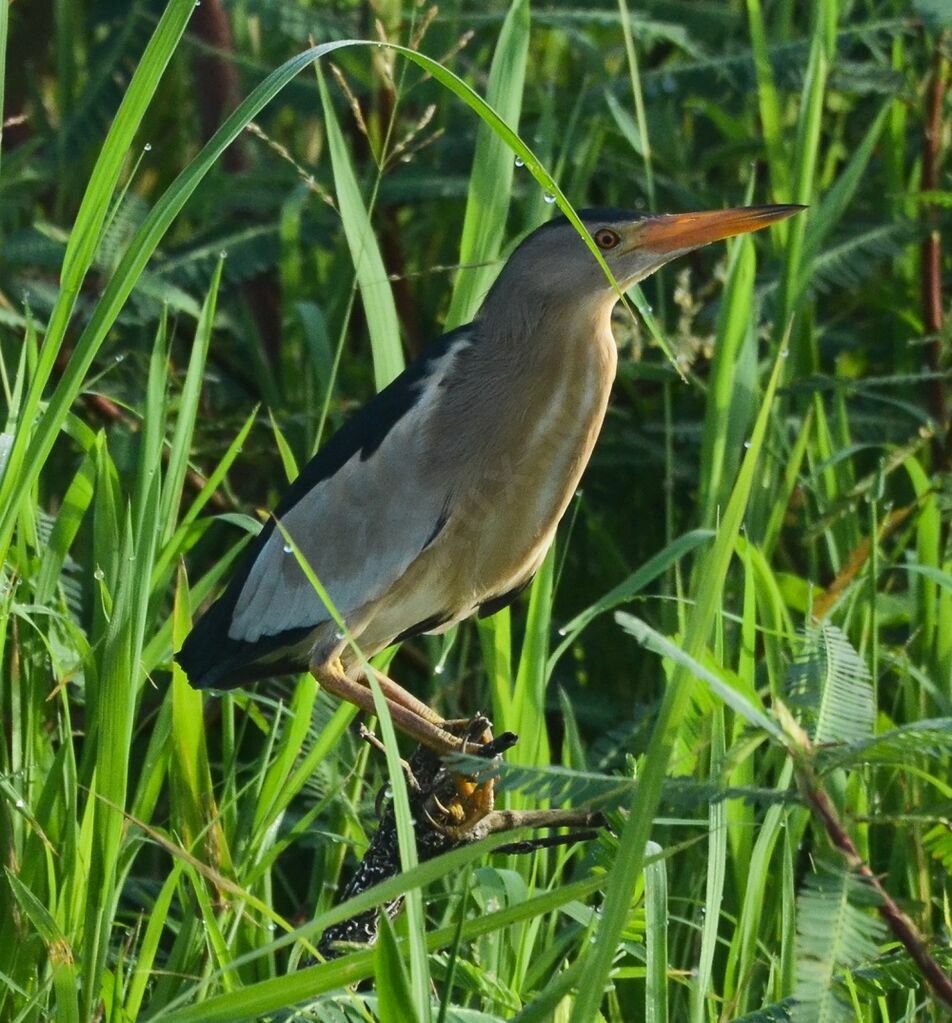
x=213, y=660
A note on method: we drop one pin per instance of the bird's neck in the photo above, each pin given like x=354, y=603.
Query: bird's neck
x=550, y=372
x=525, y=334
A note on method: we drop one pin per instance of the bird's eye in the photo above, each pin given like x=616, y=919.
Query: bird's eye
x=605, y=238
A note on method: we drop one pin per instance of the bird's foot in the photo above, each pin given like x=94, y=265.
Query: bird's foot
x=468, y=799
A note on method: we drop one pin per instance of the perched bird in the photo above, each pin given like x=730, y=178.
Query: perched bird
x=440, y=498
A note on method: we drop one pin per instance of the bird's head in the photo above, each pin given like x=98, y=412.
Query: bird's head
x=553, y=265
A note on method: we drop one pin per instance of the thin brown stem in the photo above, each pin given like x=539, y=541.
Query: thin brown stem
x=932, y=304
x=901, y=925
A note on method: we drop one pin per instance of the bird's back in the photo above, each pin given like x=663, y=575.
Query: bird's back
x=358, y=516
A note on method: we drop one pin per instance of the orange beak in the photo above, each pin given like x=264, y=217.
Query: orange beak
x=672, y=232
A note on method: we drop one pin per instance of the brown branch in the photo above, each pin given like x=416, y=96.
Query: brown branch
x=217, y=77
x=932, y=306
x=897, y=921
x=218, y=94
x=432, y=789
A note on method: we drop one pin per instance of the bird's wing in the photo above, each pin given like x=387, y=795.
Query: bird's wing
x=360, y=512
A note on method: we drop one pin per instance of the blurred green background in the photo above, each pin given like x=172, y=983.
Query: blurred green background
x=250, y=307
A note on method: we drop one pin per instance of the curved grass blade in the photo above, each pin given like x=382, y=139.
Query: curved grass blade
x=631, y=850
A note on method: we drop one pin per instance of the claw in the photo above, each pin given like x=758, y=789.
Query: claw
x=499, y=745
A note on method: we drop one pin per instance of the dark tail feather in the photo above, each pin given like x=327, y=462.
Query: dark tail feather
x=213, y=660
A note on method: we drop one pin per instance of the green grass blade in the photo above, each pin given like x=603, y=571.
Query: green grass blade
x=490, y=182
x=630, y=857
x=193, y=806
x=806, y=149
x=395, y=999
x=531, y=678
x=725, y=398
x=714, y=886
x=652, y=569
x=83, y=241
x=76, y=502
x=406, y=834
x=375, y=292
x=656, y=935
x=739, y=702
x=255, y=1000
x=768, y=103
x=149, y=946
x=188, y=412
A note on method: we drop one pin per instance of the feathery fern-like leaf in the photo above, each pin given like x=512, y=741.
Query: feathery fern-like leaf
x=931, y=737
x=832, y=683
x=778, y=1012
x=834, y=931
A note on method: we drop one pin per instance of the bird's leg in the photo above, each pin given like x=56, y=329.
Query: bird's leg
x=472, y=798
x=331, y=675
x=395, y=693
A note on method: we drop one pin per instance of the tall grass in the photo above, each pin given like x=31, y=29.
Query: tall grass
x=707, y=663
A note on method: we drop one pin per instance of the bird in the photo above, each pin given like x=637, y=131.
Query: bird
x=439, y=499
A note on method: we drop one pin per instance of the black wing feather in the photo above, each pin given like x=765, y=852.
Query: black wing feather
x=209, y=656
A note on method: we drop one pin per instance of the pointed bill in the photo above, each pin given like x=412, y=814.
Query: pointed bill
x=671, y=232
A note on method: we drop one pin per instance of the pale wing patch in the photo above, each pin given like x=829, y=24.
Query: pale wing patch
x=359, y=530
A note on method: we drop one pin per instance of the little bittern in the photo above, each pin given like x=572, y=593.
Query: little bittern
x=440, y=498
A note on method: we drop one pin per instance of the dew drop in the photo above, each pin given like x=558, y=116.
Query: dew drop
x=785, y=353
x=99, y=574
x=288, y=549
x=20, y=804
x=223, y=254
x=119, y=357
x=549, y=198
x=520, y=162
x=147, y=148
x=439, y=669
x=563, y=632
x=746, y=443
